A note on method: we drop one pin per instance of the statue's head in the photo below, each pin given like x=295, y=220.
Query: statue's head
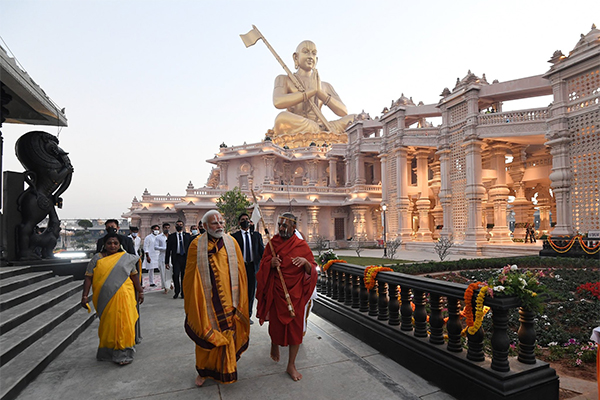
x=305, y=56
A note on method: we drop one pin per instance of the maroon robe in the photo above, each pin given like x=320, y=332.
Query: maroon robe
x=272, y=305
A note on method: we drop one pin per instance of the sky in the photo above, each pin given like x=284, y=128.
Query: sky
x=152, y=87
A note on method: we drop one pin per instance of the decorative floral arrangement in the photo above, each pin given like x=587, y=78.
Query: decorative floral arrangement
x=510, y=281
x=371, y=274
x=579, y=238
x=590, y=290
x=326, y=256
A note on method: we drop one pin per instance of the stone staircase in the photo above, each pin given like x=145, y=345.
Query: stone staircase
x=40, y=316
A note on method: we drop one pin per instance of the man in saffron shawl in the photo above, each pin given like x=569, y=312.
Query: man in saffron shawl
x=114, y=278
x=216, y=301
x=298, y=267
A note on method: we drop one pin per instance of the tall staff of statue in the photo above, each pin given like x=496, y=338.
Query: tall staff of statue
x=302, y=93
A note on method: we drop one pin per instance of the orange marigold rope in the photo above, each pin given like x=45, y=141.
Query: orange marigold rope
x=371, y=274
x=331, y=262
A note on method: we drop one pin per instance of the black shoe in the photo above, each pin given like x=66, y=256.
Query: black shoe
x=152, y=285
x=251, y=322
x=182, y=296
x=175, y=295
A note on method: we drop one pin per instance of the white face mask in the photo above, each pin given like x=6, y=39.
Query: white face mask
x=134, y=234
x=194, y=232
x=155, y=232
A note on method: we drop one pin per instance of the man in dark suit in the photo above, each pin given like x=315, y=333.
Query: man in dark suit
x=252, y=247
x=177, y=245
x=112, y=226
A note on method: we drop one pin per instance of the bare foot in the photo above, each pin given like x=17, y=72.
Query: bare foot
x=293, y=372
x=274, y=352
x=200, y=381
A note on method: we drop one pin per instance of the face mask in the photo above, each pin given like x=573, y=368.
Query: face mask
x=202, y=230
x=134, y=234
x=194, y=231
x=155, y=232
x=244, y=224
x=111, y=230
x=179, y=228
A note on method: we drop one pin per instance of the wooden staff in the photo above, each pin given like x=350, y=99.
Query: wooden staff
x=285, y=290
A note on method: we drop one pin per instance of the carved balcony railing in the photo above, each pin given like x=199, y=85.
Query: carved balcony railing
x=413, y=334
x=535, y=114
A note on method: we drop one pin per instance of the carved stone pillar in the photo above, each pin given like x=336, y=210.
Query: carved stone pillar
x=191, y=217
x=347, y=162
x=445, y=192
x=313, y=223
x=223, y=174
x=423, y=202
x=499, y=196
x=437, y=212
x=384, y=177
x=404, y=214
x=360, y=169
x=312, y=172
x=269, y=170
x=333, y=173
x=268, y=214
x=561, y=184
x=146, y=223
x=359, y=222
x=544, y=209
x=474, y=191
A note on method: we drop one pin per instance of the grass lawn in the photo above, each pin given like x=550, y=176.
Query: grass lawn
x=366, y=261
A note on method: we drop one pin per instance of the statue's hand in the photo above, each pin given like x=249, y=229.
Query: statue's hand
x=58, y=201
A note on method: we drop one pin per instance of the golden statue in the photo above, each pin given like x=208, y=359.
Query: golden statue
x=300, y=117
x=303, y=94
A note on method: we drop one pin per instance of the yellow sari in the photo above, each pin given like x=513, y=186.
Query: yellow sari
x=115, y=304
x=216, y=306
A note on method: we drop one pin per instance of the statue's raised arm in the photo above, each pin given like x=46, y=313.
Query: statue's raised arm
x=299, y=116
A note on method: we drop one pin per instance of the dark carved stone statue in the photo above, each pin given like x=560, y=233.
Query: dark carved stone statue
x=48, y=172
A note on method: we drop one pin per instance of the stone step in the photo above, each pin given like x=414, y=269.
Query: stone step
x=27, y=365
x=21, y=313
x=20, y=281
x=7, y=272
x=18, y=339
x=14, y=298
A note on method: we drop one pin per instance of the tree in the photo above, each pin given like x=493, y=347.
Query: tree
x=392, y=247
x=231, y=204
x=321, y=244
x=85, y=223
x=442, y=247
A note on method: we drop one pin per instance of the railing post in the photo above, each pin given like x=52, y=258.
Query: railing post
x=329, y=275
x=394, y=305
x=373, y=301
x=364, y=296
x=453, y=326
x=355, y=292
x=320, y=281
x=383, y=301
x=348, y=287
x=436, y=322
x=526, y=335
x=500, y=341
x=334, y=284
x=406, y=309
x=420, y=313
x=342, y=277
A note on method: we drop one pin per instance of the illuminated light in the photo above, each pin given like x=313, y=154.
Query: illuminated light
x=70, y=254
x=242, y=152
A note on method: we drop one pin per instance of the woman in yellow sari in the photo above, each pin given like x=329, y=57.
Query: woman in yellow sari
x=112, y=274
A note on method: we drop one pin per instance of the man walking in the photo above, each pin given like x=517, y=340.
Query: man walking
x=160, y=245
x=216, y=302
x=112, y=226
x=298, y=269
x=150, y=253
x=176, y=253
x=252, y=247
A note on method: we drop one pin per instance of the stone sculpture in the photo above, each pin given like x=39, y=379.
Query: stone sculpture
x=48, y=172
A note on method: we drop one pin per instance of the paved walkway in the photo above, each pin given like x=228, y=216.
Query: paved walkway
x=334, y=364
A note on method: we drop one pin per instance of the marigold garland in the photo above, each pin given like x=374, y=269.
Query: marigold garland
x=371, y=273
x=479, y=311
x=468, y=310
x=589, y=250
x=567, y=247
x=331, y=262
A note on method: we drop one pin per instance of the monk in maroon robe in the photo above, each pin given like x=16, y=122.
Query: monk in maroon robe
x=298, y=267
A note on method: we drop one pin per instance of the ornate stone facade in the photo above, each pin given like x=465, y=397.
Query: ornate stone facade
x=463, y=179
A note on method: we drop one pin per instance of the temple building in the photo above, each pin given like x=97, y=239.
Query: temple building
x=464, y=179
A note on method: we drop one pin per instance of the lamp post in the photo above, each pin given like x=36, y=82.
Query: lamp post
x=384, y=208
